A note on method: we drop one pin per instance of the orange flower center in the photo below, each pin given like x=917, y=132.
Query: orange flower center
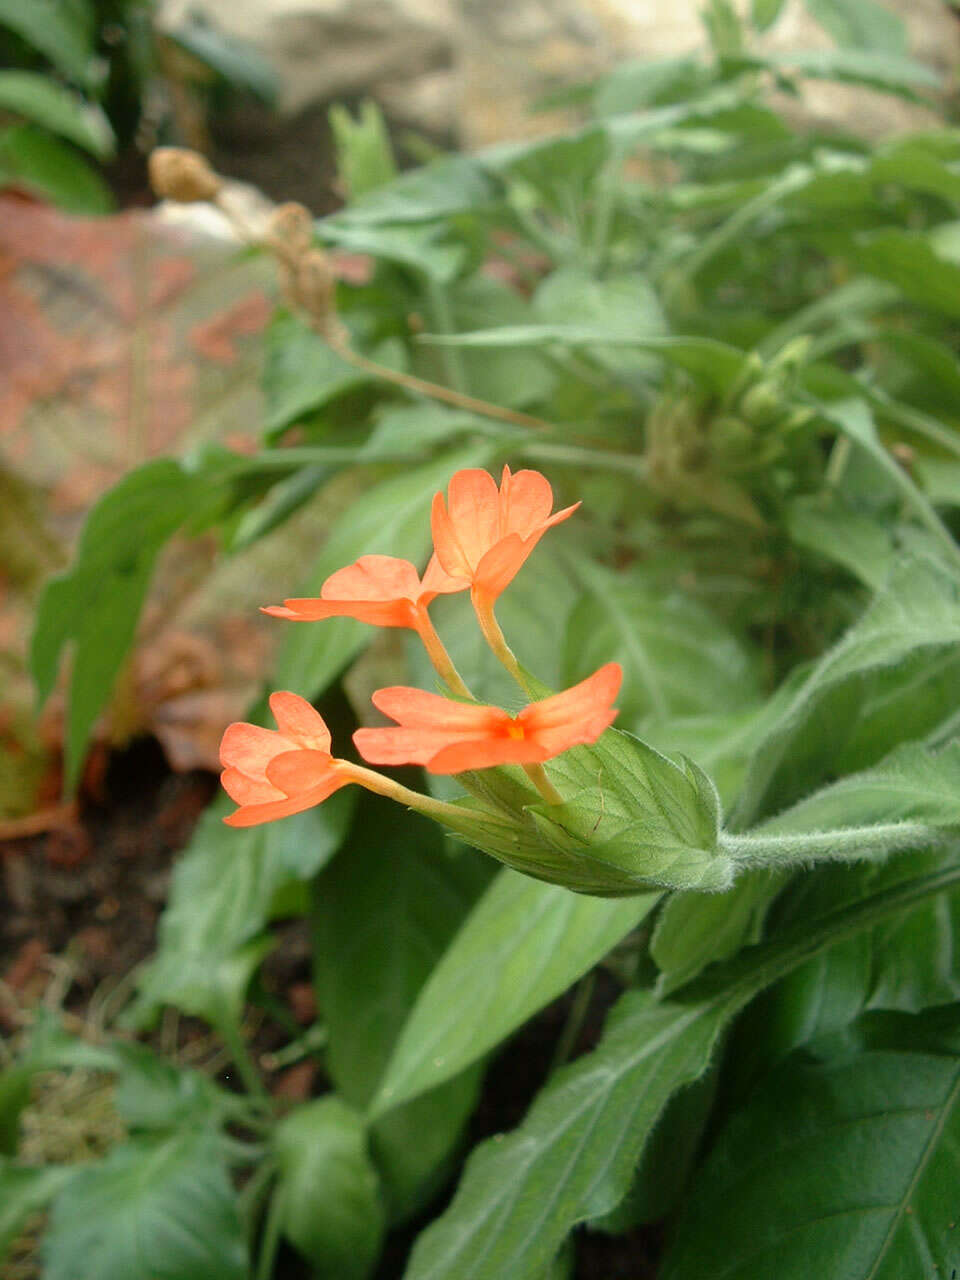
x=515, y=730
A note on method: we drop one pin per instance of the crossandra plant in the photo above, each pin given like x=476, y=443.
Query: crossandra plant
x=730, y=342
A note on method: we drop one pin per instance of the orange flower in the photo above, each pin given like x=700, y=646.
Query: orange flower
x=381, y=590
x=484, y=536
x=272, y=774
x=451, y=737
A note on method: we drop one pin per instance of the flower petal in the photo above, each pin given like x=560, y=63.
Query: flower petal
x=582, y=702
x=300, y=722
x=373, y=578
x=251, y=815
x=485, y=753
x=417, y=709
x=526, y=500
x=436, y=581
x=243, y=789
x=474, y=505
x=400, y=746
x=449, y=553
x=502, y=563
x=294, y=772
x=378, y=613
x=250, y=747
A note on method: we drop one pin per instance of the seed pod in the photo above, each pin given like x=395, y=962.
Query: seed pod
x=182, y=175
x=314, y=288
x=290, y=230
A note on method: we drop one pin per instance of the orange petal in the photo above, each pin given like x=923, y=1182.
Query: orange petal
x=250, y=747
x=449, y=552
x=373, y=578
x=583, y=701
x=400, y=746
x=243, y=789
x=300, y=722
x=458, y=757
x=474, y=506
x=501, y=564
x=378, y=613
x=556, y=741
x=436, y=581
x=251, y=815
x=294, y=772
x=526, y=501
x=417, y=709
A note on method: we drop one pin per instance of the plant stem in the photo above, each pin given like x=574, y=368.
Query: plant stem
x=393, y=790
x=246, y=1068
x=438, y=655
x=537, y=775
x=845, y=844
x=270, y=1241
x=483, y=607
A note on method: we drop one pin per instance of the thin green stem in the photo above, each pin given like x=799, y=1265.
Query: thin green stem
x=439, y=657
x=393, y=790
x=483, y=607
x=270, y=1241
x=537, y=775
x=845, y=844
x=575, y=1019
x=246, y=1068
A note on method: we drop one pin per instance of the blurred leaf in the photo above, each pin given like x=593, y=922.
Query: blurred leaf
x=242, y=65
x=364, y=154
x=626, y=306
x=381, y=922
x=24, y=1191
x=428, y=248
x=441, y=189
x=51, y=170
x=14, y=1097
x=860, y=24
x=328, y=1194
x=503, y=376
x=856, y=1170
x=574, y=1156
x=874, y=69
x=167, y=1200
x=221, y=896
x=62, y=30
x=917, y=613
x=522, y=945
x=909, y=261
x=42, y=101
x=677, y=658
x=847, y=537
x=764, y=13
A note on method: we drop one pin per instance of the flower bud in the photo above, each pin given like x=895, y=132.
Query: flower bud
x=182, y=175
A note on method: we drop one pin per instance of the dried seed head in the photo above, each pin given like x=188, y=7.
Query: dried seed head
x=314, y=288
x=182, y=175
x=290, y=230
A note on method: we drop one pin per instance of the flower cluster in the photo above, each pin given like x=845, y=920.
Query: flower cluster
x=482, y=536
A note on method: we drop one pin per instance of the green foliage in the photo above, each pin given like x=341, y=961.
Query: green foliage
x=732, y=341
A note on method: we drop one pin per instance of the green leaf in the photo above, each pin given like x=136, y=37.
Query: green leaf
x=637, y=811
x=97, y=602
x=677, y=658
x=913, y=783
x=441, y=189
x=626, y=306
x=42, y=101
x=428, y=248
x=764, y=13
x=891, y=73
x=364, y=155
x=52, y=170
x=24, y=1191
x=856, y=1172
x=911, y=624
x=62, y=30
x=574, y=1156
x=221, y=896
x=522, y=945
x=500, y=375
x=328, y=1193
x=302, y=373
x=861, y=544
x=14, y=1097
x=908, y=260
x=860, y=24
x=239, y=63
x=390, y=518
x=164, y=1204
x=381, y=921
x=713, y=363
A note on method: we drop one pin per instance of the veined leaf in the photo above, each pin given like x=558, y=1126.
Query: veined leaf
x=328, y=1192
x=575, y=1154
x=169, y=1199
x=522, y=945
x=25, y=1189
x=62, y=30
x=854, y=1176
x=861, y=24
x=916, y=616
x=42, y=101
